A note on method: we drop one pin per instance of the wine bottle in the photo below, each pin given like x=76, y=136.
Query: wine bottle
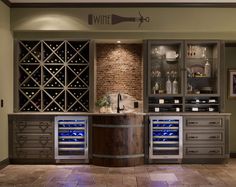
x=168, y=86
x=207, y=69
x=175, y=87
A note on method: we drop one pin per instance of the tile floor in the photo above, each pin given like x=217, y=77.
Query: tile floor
x=186, y=175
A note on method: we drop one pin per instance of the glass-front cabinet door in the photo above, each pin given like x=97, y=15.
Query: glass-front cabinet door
x=202, y=59
x=165, y=60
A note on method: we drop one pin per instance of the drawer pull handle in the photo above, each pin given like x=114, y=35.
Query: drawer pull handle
x=22, y=125
x=21, y=154
x=193, y=137
x=192, y=122
x=21, y=140
x=214, y=151
x=44, y=154
x=214, y=123
x=43, y=126
x=193, y=151
x=214, y=137
x=43, y=140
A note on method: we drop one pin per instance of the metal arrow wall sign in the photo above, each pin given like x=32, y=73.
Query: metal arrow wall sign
x=113, y=19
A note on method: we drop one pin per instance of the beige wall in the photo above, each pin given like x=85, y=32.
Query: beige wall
x=230, y=59
x=6, y=78
x=166, y=23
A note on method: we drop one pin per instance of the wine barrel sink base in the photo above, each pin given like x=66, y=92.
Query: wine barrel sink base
x=119, y=162
x=118, y=141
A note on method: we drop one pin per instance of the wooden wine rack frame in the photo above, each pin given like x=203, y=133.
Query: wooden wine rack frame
x=52, y=76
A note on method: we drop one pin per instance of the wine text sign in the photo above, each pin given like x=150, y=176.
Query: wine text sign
x=113, y=19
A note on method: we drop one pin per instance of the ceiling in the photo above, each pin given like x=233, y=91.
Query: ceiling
x=121, y=1
x=118, y=3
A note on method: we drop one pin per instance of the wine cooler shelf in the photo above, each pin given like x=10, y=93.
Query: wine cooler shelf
x=53, y=76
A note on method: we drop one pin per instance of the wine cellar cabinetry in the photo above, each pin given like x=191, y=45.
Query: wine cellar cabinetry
x=31, y=139
x=183, y=76
x=165, y=76
x=52, y=76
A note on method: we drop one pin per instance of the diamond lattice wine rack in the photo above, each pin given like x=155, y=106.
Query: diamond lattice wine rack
x=53, y=76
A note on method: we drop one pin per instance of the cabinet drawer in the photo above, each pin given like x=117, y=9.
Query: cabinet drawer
x=33, y=126
x=214, y=137
x=204, y=123
x=208, y=151
x=40, y=153
x=33, y=140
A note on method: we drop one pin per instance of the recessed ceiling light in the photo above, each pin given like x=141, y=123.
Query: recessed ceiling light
x=118, y=41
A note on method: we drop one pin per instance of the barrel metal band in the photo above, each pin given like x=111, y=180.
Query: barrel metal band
x=118, y=156
x=117, y=126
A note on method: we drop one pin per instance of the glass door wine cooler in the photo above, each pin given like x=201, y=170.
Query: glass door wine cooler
x=71, y=137
x=165, y=137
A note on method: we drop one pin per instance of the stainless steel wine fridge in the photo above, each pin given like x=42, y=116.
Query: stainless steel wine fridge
x=71, y=137
x=166, y=139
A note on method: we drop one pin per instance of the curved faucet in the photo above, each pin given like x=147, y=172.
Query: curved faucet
x=119, y=98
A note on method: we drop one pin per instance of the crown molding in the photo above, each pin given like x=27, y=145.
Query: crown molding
x=7, y=2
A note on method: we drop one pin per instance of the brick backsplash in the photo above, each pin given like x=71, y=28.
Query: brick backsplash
x=119, y=69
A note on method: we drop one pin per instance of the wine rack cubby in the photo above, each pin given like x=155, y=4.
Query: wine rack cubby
x=53, y=76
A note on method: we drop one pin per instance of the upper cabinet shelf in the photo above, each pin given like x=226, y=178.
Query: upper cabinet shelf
x=165, y=60
x=202, y=60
